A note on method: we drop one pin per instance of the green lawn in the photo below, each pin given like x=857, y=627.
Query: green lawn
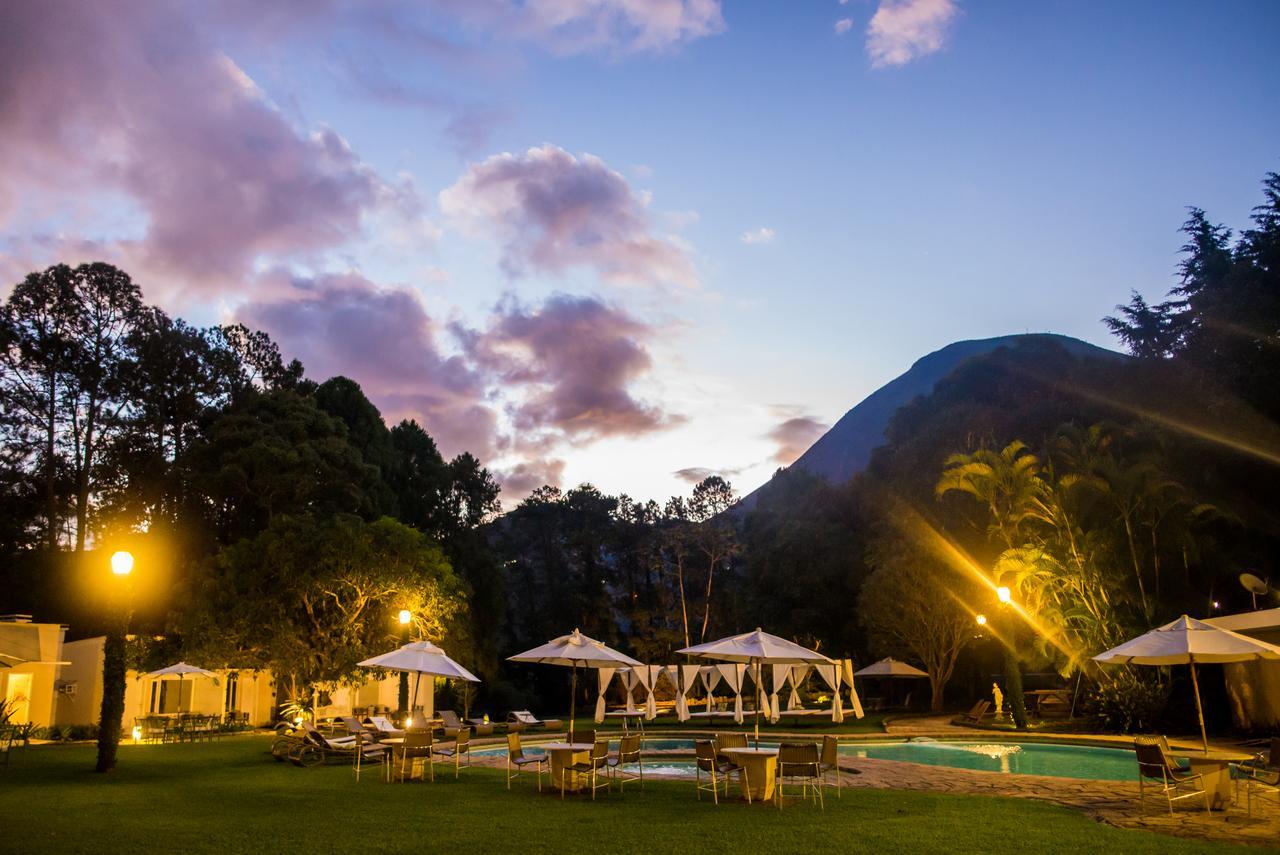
x=232, y=797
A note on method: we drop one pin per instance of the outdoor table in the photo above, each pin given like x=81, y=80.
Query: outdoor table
x=564, y=754
x=1215, y=771
x=627, y=718
x=762, y=770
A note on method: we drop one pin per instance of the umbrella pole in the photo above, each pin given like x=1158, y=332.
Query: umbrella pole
x=757, y=704
x=1195, y=684
x=573, y=698
x=408, y=716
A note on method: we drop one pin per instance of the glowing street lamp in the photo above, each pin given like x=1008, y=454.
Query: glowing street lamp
x=405, y=617
x=1004, y=595
x=982, y=620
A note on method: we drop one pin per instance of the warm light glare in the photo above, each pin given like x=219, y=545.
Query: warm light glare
x=1003, y=594
x=1217, y=605
x=982, y=620
x=405, y=617
x=137, y=734
x=122, y=563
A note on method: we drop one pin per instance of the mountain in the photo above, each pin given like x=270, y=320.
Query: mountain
x=845, y=449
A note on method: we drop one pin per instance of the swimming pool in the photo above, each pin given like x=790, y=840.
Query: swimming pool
x=1013, y=758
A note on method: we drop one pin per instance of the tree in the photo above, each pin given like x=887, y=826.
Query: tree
x=912, y=603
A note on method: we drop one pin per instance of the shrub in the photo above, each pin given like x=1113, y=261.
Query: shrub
x=1128, y=703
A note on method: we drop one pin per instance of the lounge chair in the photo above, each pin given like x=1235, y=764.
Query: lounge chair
x=519, y=760
x=401, y=759
x=628, y=755
x=518, y=720
x=353, y=725
x=975, y=715
x=383, y=726
x=718, y=769
x=1155, y=767
x=1260, y=775
x=315, y=748
x=451, y=725
x=598, y=760
x=800, y=761
x=461, y=747
x=480, y=726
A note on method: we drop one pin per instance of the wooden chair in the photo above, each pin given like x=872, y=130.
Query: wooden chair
x=517, y=760
x=1155, y=768
x=717, y=769
x=628, y=754
x=975, y=715
x=461, y=747
x=800, y=762
x=598, y=760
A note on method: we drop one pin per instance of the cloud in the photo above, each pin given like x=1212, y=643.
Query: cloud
x=523, y=478
x=794, y=436
x=574, y=359
x=383, y=339
x=581, y=26
x=147, y=110
x=903, y=30
x=698, y=474
x=760, y=235
x=551, y=211
x=843, y=26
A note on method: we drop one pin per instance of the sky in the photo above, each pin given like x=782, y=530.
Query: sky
x=630, y=242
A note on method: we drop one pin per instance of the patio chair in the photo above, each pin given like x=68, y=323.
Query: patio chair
x=518, y=720
x=975, y=715
x=829, y=762
x=800, y=762
x=598, y=760
x=628, y=755
x=718, y=769
x=401, y=759
x=1156, y=769
x=1260, y=774
x=728, y=740
x=584, y=737
x=517, y=760
x=461, y=747
x=451, y=725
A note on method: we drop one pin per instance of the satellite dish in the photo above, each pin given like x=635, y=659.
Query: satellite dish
x=1254, y=586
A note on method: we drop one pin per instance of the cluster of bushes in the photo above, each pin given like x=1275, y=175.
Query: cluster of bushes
x=66, y=732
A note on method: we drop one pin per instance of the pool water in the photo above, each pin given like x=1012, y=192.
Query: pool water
x=1014, y=758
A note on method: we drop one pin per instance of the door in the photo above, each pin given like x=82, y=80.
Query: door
x=18, y=698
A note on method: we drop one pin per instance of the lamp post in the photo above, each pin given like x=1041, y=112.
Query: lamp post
x=406, y=618
x=1012, y=672
x=113, y=665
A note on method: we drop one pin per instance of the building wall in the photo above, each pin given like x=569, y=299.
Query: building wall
x=32, y=683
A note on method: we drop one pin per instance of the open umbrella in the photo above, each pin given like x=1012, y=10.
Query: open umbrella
x=1187, y=641
x=890, y=667
x=179, y=671
x=419, y=657
x=757, y=649
x=575, y=651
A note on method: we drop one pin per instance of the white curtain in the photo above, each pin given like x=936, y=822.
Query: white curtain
x=606, y=675
x=799, y=673
x=684, y=675
x=630, y=679
x=854, y=703
x=710, y=675
x=732, y=676
x=781, y=673
x=831, y=676
x=648, y=677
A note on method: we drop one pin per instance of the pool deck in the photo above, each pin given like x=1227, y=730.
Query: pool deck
x=1112, y=802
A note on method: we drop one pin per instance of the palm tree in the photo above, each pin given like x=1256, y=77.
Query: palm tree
x=1007, y=482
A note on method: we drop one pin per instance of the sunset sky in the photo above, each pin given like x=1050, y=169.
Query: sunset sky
x=630, y=242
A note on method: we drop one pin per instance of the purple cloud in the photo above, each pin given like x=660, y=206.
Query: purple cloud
x=523, y=478
x=552, y=211
x=575, y=359
x=698, y=474
x=383, y=339
x=145, y=106
x=794, y=436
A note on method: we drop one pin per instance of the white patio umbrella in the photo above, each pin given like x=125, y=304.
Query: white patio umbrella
x=179, y=671
x=757, y=649
x=1187, y=641
x=575, y=651
x=890, y=667
x=418, y=658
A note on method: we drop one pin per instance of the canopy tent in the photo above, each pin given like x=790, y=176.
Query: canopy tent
x=575, y=651
x=178, y=671
x=1187, y=641
x=418, y=658
x=757, y=649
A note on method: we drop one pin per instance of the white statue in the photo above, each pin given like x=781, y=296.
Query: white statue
x=999, y=697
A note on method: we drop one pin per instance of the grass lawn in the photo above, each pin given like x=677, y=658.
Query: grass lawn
x=232, y=797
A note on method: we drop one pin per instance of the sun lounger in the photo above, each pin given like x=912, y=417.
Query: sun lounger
x=974, y=715
x=518, y=720
x=480, y=727
x=383, y=726
x=315, y=748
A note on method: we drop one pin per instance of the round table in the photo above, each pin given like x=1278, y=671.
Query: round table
x=627, y=718
x=1215, y=771
x=564, y=754
x=762, y=770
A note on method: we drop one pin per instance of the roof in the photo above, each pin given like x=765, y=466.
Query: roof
x=1262, y=620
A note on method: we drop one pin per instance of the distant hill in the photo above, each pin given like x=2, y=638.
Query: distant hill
x=845, y=449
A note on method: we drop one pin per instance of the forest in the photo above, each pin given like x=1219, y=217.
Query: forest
x=282, y=523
